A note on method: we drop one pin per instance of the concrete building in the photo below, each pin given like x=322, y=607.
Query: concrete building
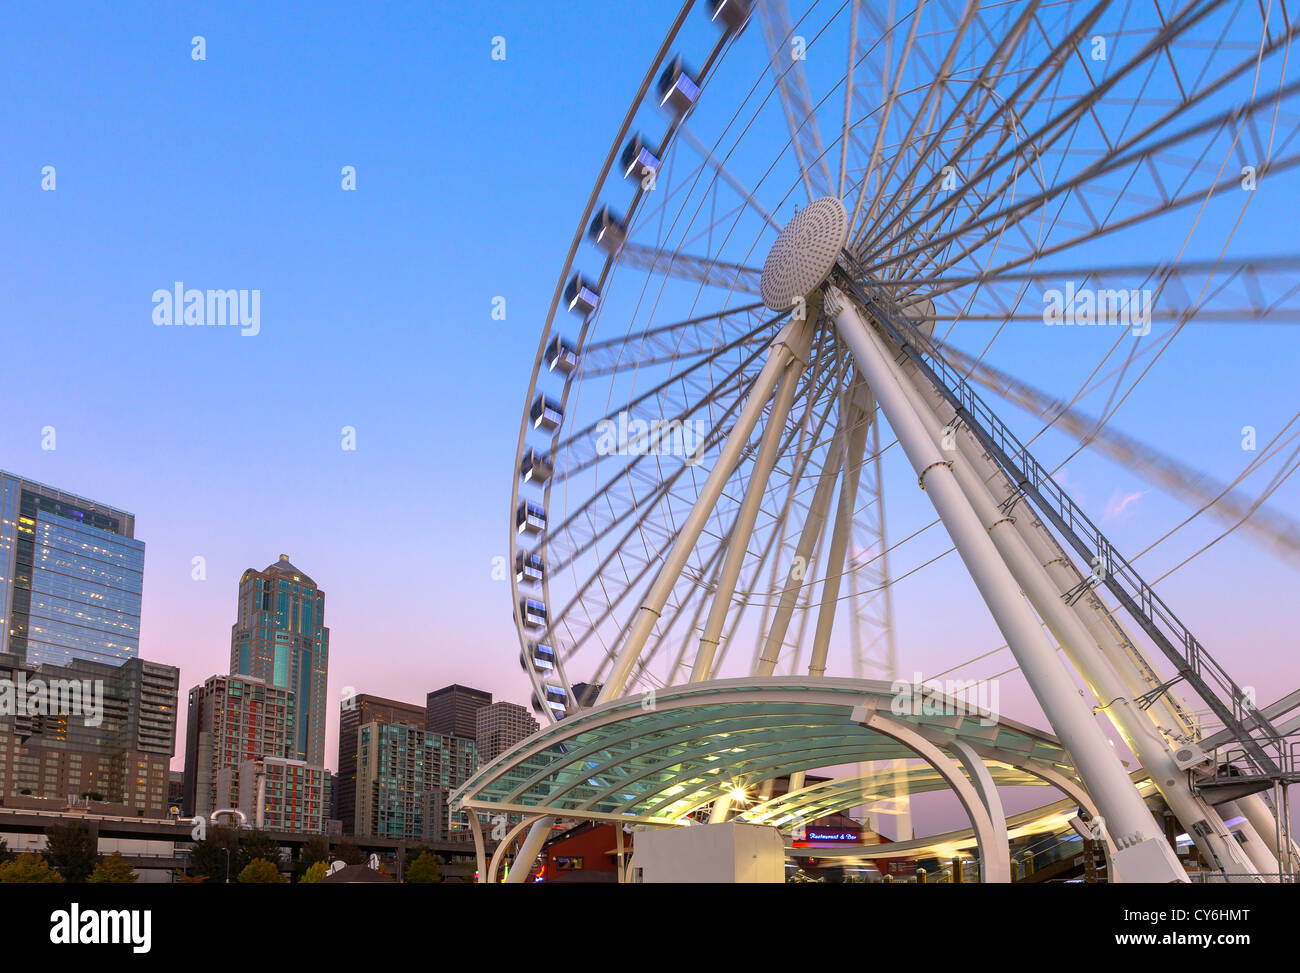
x=354, y=712
x=88, y=731
x=451, y=710
x=499, y=726
x=277, y=794
x=232, y=719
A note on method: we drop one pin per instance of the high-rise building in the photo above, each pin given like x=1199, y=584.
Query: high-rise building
x=71, y=572
x=280, y=638
x=354, y=712
x=232, y=719
x=499, y=726
x=276, y=794
x=451, y=710
x=101, y=732
x=404, y=776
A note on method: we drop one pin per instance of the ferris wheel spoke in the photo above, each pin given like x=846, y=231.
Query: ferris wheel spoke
x=600, y=577
x=685, y=266
x=578, y=542
x=746, y=195
x=862, y=237
x=694, y=388
x=679, y=339
x=796, y=102
x=1132, y=152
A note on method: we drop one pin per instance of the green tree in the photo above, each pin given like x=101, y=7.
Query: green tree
x=28, y=869
x=260, y=872
x=258, y=844
x=208, y=858
x=71, y=848
x=113, y=870
x=314, y=849
x=348, y=853
x=5, y=853
x=424, y=869
x=314, y=873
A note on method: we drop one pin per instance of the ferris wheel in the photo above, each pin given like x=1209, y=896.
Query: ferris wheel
x=803, y=219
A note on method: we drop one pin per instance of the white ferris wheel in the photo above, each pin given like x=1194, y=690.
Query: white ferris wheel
x=803, y=218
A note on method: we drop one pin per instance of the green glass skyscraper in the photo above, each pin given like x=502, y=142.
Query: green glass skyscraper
x=280, y=637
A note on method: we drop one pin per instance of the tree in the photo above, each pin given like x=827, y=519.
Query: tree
x=260, y=872
x=113, y=870
x=258, y=844
x=314, y=849
x=28, y=869
x=72, y=849
x=424, y=869
x=5, y=853
x=314, y=873
x=218, y=855
x=348, y=853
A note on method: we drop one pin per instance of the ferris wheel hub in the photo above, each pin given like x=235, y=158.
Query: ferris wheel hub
x=804, y=253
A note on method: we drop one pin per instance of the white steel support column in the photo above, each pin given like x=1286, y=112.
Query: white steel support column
x=977, y=475
x=1264, y=820
x=782, y=351
x=1126, y=813
x=859, y=420
x=1253, y=843
x=741, y=531
x=793, y=336
x=803, y=553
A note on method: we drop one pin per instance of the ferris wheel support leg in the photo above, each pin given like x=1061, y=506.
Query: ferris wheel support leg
x=803, y=554
x=1253, y=843
x=1144, y=855
x=527, y=854
x=859, y=420
x=977, y=476
x=783, y=350
x=743, y=528
x=1264, y=820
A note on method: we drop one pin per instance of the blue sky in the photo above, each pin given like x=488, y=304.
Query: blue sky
x=376, y=313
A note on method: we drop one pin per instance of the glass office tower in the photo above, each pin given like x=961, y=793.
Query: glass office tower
x=71, y=574
x=280, y=637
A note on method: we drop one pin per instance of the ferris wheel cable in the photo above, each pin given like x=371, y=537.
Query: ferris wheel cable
x=1130, y=152
x=1250, y=514
x=1282, y=478
x=746, y=195
x=687, y=266
x=656, y=346
x=1147, y=461
x=1105, y=417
